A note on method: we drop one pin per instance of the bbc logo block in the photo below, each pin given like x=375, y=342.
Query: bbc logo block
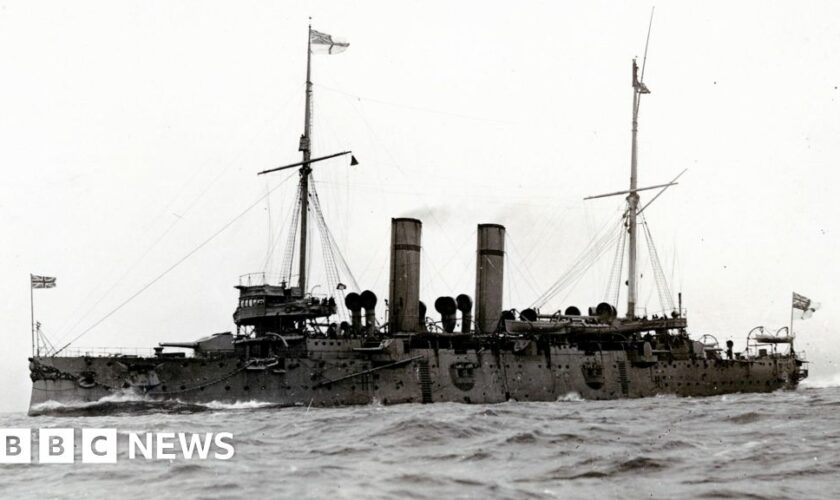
x=99, y=446
x=55, y=446
x=16, y=446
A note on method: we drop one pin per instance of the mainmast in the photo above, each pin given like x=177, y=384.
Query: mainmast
x=305, y=169
x=639, y=88
x=633, y=211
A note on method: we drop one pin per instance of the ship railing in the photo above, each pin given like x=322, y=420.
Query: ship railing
x=259, y=279
x=104, y=352
x=664, y=313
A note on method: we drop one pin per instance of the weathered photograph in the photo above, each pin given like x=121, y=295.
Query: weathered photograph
x=320, y=249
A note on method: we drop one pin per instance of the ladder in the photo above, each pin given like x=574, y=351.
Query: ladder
x=622, y=378
x=425, y=382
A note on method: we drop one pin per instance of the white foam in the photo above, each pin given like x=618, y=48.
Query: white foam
x=48, y=405
x=117, y=397
x=129, y=396
x=571, y=396
x=666, y=395
x=123, y=396
x=238, y=405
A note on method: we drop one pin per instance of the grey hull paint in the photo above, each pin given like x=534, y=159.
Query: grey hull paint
x=332, y=373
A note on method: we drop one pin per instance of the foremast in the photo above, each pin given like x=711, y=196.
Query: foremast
x=278, y=308
x=305, y=169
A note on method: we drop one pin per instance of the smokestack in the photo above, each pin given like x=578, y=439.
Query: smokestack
x=368, y=300
x=354, y=305
x=465, y=306
x=404, y=293
x=422, y=316
x=446, y=307
x=489, y=276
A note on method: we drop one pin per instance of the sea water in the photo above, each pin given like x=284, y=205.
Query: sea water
x=780, y=445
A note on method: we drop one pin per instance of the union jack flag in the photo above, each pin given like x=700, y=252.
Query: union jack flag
x=804, y=304
x=42, y=281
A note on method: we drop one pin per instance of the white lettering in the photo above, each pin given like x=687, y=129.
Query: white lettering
x=195, y=445
x=134, y=444
x=161, y=446
x=228, y=447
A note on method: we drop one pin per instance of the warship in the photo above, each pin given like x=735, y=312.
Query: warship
x=291, y=347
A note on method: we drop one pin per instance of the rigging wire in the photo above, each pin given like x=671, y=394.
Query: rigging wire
x=591, y=254
x=66, y=331
x=402, y=171
x=270, y=240
x=166, y=208
x=176, y=264
x=526, y=275
x=270, y=266
x=666, y=300
x=611, y=295
x=289, y=254
x=329, y=251
x=452, y=257
x=437, y=271
x=414, y=108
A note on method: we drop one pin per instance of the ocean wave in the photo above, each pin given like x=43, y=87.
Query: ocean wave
x=746, y=418
x=104, y=408
x=633, y=466
x=764, y=445
x=239, y=405
x=129, y=402
x=571, y=396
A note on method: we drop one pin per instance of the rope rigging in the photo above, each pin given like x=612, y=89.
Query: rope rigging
x=518, y=264
x=289, y=253
x=591, y=254
x=176, y=264
x=329, y=250
x=666, y=300
x=613, y=290
x=270, y=266
x=614, y=236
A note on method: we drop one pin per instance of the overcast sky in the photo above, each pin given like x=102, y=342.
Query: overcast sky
x=130, y=132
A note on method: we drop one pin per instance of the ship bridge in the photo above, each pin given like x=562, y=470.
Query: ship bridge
x=270, y=305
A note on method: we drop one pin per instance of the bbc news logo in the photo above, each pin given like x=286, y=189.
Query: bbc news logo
x=99, y=446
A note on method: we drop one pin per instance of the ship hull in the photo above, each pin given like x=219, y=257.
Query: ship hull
x=340, y=372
